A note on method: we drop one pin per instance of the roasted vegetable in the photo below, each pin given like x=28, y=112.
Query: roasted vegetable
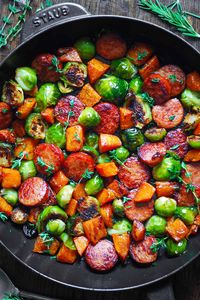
x=26, y=78
x=191, y=99
x=123, y=68
x=92, y=139
x=55, y=227
x=88, y=208
x=120, y=227
x=55, y=134
x=12, y=94
x=68, y=241
x=5, y=155
x=75, y=226
x=168, y=169
x=194, y=141
x=64, y=195
x=74, y=74
x=89, y=117
x=142, y=111
x=156, y=225
x=185, y=214
x=175, y=249
x=155, y=134
x=118, y=207
x=191, y=120
x=19, y=216
x=35, y=126
x=103, y=158
x=47, y=95
x=27, y=169
x=10, y=195
x=165, y=207
x=120, y=154
x=94, y=185
x=132, y=138
x=85, y=47
x=135, y=85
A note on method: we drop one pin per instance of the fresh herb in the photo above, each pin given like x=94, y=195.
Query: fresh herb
x=173, y=78
x=142, y=55
x=49, y=168
x=11, y=297
x=147, y=233
x=47, y=239
x=176, y=18
x=70, y=114
x=113, y=155
x=72, y=183
x=171, y=118
x=4, y=110
x=160, y=243
x=175, y=147
x=77, y=138
x=125, y=199
x=155, y=80
x=55, y=65
x=53, y=257
x=148, y=99
x=16, y=163
x=71, y=103
x=87, y=174
x=47, y=3
x=3, y=217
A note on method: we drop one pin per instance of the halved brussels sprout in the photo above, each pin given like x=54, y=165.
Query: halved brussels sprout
x=135, y=85
x=47, y=95
x=74, y=74
x=123, y=68
x=55, y=134
x=194, y=141
x=142, y=111
x=118, y=207
x=64, y=196
x=92, y=139
x=185, y=214
x=35, y=127
x=191, y=99
x=64, y=88
x=85, y=47
x=132, y=138
x=75, y=226
x=68, y=241
x=168, y=169
x=88, y=208
x=190, y=121
x=155, y=134
x=55, y=227
x=89, y=117
x=120, y=227
x=26, y=77
x=27, y=169
x=10, y=195
x=12, y=94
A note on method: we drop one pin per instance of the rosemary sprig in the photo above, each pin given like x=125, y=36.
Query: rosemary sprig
x=176, y=18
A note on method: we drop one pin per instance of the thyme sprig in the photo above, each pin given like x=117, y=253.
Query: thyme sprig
x=16, y=163
x=47, y=239
x=3, y=217
x=70, y=113
x=160, y=243
x=176, y=18
x=49, y=168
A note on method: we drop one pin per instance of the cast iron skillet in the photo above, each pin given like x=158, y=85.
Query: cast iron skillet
x=42, y=35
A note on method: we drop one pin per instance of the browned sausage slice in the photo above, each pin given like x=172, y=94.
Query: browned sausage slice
x=176, y=141
x=109, y=114
x=33, y=191
x=68, y=109
x=111, y=46
x=141, y=252
x=133, y=173
x=76, y=164
x=152, y=153
x=168, y=115
x=102, y=256
x=139, y=53
x=5, y=115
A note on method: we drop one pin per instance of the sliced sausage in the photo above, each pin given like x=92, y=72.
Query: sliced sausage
x=168, y=115
x=176, y=78
x=158, y=87
x=111, y=46
x=140, y=53
x=68, y=54
x=44, y=68
x=68, y=109
x=138, y=231
x=141, y=252
x=102, y=256
x=5, y=115
x=176, y=141
x=184, y=198
x=193, y=81
x=133, y=173
x=194, y=170
x=152, y=153
x=8, y=136
x=48, y=158
x=76, y=164
x=51, y=200
x=33, y=191
x=138, y=211
x=109, y=114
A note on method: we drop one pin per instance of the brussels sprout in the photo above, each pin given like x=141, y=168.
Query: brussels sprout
x=75, y=226
x=168, y=169
x=55, y=227
x=94, y=185
x=103, y=158
x=88, y=208
x=64, y=88
x=185, y=214
x=175, y=249
x=156, y=225
x=89, y=117
x=92, y=151
x=55, y=134
x=194, y=210
x=6, y=155
x=26, y=77
x=155, y=134
x=165, y=207
x=85, y=47
x=12, y=94
x=68, y=241
x=64, y=195
x=121, y=153
x=142, y=111
x=10, y=195
x=118, y=207
x=27, y=169
x=191, y=99
x=120, y=227
x=135, y=85
x=92, y=139
x=123, y=68
x=74, y=74
x=132, y=138
x=190, y=121
x=19, y=216
x=47, y=95
x=194, y=141
x=35, y=127
x=112, y=88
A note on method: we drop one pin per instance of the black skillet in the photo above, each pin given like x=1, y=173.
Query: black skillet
x=58, y=26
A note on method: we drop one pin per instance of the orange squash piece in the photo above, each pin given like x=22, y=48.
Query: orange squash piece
x=66, y=255
x=48, y=115
x=166, y=188
x=118, y=188
x=27, y=147
x=145, y=192
x=41, y=247
x=107, y=169
x=18, y=127
x=105, y=196
x=106, y=211
x=81, y=243
x=72, y=207
x=26, y=108
x=108, y=142
x=177, y=230
x=79, y=191
x=11, y=178
x=192, y=155
x=34, y=214
x=58, y=180
x=151, y=66
x=74, y=138
x=96, y=69
x=88, y=95
x=197, y=129
x=126, y=118
x=5, y=207
x=94, y=229
x=138, y=231
x=122, y=244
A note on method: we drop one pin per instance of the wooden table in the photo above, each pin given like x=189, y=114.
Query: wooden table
x=187, y=282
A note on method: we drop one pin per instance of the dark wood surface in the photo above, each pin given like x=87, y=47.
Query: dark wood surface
x=187, y=282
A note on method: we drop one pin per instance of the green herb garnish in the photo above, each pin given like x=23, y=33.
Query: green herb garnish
x=160, y=243
x=16, y=163
x=49, y=168
x=148, y=99
x=3, y=217
x=47, y=238
x=171, y=118
x=155, y=80
x=142, y=55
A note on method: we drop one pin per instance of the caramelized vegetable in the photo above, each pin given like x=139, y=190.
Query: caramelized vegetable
x=122, y=244
x=88, y=95
x=108, y=142
x=94, y=229
x=81, y=243
x=144, y=193
x=107, y=169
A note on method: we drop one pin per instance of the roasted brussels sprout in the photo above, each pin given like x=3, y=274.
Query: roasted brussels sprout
x=194, y=141
x=190, y=121
x=120, y=227
x=92, y=140
x=55, y=227
x=55, y=134
x=68, y=241
x=118, y=207
x=12, y=94
x=156, y=225
x=132, y=138
x=155, y=134
x=94, y=185
x=112, y=88
x=142, y=111
x=135, y=85
x=168, y=169
x=120, y=153
x=35, y=127
x=123, y=68
x=88, y=208
x=10, y=195
x=26, y=77
x=103, y=158
x=185, y=214
x=75, y=226
x=5, y=155
x=175, y=249
x=85, y=47
x=90, y=150
x=64, y=195
x=47, y=95
x=19, y=216
x=89, y=117
x=27, y=169
x=165, y=207
x=191, y=99
x=74, y=74
x=64, y=88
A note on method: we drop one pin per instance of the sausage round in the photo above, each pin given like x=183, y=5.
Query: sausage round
x=68, y=109
x=140, y=212
x=33, y=191
x=111, y=46
x=158, y=87
x=141, y=252
x=184, y=198
x=109, y=114
x=102, y=256
x=168, y=115
x=76, y=164
x=194, y=170
x=5, y=115
x=133, y=173
x=48, y=158
x=176, y=141
x=193, y=81
x=152, y=153
x=44, y=68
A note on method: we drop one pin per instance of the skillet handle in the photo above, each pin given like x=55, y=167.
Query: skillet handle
x=162, y=291
x=46, y=18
